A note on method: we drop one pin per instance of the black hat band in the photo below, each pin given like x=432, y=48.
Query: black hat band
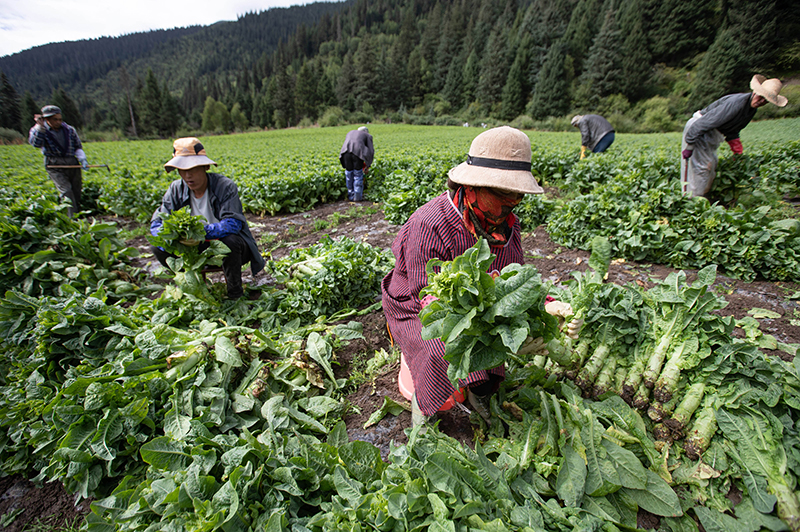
x=499, y=164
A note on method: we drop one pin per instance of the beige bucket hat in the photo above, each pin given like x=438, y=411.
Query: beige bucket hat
x=576, y=119
x=769, y=89
x=498, y=158
x=187, y=152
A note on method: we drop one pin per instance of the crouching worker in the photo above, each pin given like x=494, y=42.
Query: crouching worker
x=216, y=198
x=482, y=192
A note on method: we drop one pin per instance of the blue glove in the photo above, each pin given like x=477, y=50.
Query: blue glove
x=84, y=163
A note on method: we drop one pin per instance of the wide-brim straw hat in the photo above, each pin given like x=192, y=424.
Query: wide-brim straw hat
x=187, y=152
x=769, y=89
x=498, y=158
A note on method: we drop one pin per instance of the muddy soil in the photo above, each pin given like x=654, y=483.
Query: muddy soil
x=278, y=235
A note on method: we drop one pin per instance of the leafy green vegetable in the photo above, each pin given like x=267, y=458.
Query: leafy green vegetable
x=483, y=320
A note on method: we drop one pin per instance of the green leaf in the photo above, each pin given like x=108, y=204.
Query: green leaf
x=389, y=406
x=362, y=460
x=164, y=454
x=347, y=487
x=632, y=474
x=716, y=521
x=226, y=352
x=320, y=351
x=760, y=313
x=571, y=478
x=657, y=498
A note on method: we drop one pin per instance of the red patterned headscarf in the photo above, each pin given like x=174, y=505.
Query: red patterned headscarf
x=486, y=213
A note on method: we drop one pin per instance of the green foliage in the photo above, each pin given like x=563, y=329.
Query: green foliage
x=721, y=70
x=11, y=136
x=482, y=321
x=329, y=277
x=10, y=106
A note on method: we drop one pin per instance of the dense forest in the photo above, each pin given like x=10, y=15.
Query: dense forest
x=645, y=63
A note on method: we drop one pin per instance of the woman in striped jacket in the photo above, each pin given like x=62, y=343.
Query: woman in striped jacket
x=482, y=193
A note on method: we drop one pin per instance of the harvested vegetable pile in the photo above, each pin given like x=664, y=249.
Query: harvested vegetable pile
x=716, y=415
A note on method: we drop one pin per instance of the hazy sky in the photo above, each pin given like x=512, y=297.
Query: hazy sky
x=28, y=23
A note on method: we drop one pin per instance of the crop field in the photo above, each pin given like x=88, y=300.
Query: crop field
x=170, y=408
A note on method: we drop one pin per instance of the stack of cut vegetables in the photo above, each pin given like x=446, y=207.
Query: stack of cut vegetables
x=718, y=416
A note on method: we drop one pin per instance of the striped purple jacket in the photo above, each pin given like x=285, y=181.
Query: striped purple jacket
x=435, y=230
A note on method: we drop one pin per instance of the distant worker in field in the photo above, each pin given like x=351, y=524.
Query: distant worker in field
x=61, y=147
x=482, y=193
x=216, y=198
x=722, y=119
x=356, y=158
x=597, y=134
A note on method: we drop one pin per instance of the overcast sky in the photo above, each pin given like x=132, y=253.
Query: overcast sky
x=28, y=23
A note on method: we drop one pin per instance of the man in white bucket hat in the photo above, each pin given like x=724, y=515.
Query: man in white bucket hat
x=722, y=119
x=482, y=192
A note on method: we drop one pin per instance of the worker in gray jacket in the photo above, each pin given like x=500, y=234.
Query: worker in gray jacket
x=215, y=198
x=356, y=157
x=597, y=134
x=722, y=119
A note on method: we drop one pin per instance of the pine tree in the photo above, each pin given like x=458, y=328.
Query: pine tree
x=419, y=77
x=449, y=45
x=603, y=74
x=305, y=94
x=517, y=87
x=28, y=109
x=544, y=22
x=584, y=23
x=150, y=106
x=754, y=24
x=368, y=73
x=636, y=69
x=345, y=85
x=283, y=99
x=454, y=84
x=551, y=96
x=471, y=77
x=495, y=63
x=170, y=113
x=127, y=121
x=69, y=110
x=678, y=30
x=10, y=111
x=429, y=44
x=720, y=72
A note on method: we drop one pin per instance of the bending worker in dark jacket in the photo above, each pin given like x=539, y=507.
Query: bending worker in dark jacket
x=597, y=134
x=356, y=158
x=724, y=118
x=216, y=198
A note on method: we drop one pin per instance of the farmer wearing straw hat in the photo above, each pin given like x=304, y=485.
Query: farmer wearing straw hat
x=60, y=146
x=216, y=198
x=356, y=157
x=723, y=119
x=482, y=192
x=597, y=134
